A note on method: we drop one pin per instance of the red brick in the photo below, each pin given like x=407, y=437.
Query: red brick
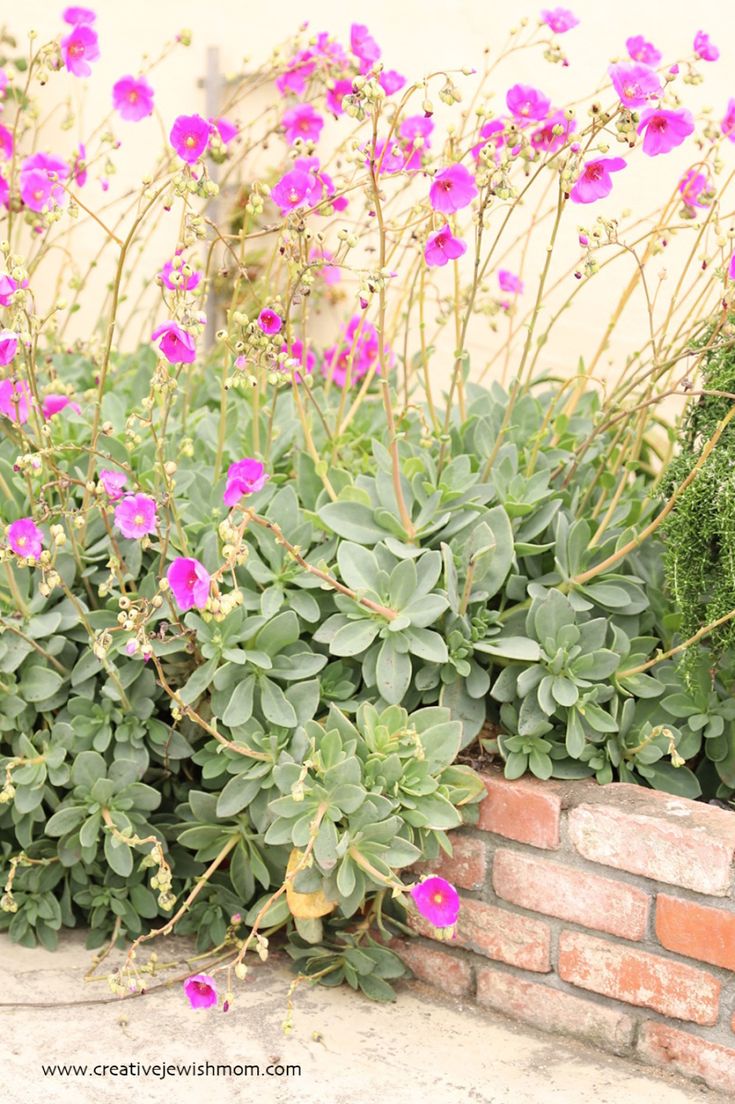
x=526, y=810
x=554, y=1010
x=690, y=1055
x=500, y=934
x=639, y=978
x=669, y=839
x=696, y=931
x=439, y=968
x=466, y=867
x=589, y=899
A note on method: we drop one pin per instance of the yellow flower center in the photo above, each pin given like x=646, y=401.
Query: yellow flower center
x=190, y=141
x=138, y=519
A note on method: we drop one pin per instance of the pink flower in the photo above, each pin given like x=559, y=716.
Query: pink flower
x=298, y=70
x=54, y=404
x=336, y=93
x=184, y=283
x=132, y=98
x=113, y=482
x=8, y=346
x=442, y=246
x=728, y=122
x=178, y=346
x=293, y=190
x=437, y=901
x=201, y=991
x=306, y=358
x=416, y=132
x=226, y=130
x=25, y=538
x=189, y=580
x=595, y=181
x=635, y=84
x=190, y=137
x=364, y=46
x=78, y=48
x=79, y=166
x=509, y=282
x=664, y=129
x=269, y=321
x=356, y=354
x=4, y=191
x=544, y=137
x=78, y=16
x=302, y=121
x=329, y=273
x=640, y=50
x=15, y=400
x=6, y=143
x=705, y=49
x=731, y=270
x=391, y=81
x=526, y=102
x=452, y=189
x=8, y=287
x=559, y=20
x=244, y=477
x=135, y=516
x=491, y=133
x=692, y=186
x=40, y=177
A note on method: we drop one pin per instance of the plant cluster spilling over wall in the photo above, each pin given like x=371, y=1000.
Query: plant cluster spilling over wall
x=265, y=604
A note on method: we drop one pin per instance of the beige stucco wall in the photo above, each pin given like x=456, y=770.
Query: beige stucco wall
x=416, y=35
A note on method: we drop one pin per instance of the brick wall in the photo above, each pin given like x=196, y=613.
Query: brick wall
x=602, y=912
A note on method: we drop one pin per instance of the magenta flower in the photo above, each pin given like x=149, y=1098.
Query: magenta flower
x=78, y=16
x=731, y=270
x=244, y=477
x=78, y=48
x=491, y=133
x=329, y=272
x=54, y=404
x=509, y=282
x=200, y=991
x=526, y=102
x=553, y=133
x=364, y=46
x=442, y=246
x=8, y=346
x=306, y=358
x=113, y=482
x=452, y=189
x=664, y=129
x=693, y=186
x=15, y=400
x=189, y=581
x=226, y=130
x=190, y=137
x=6, y=143
x=8, y=287
x=559, y=20
x=705, y=49
x=728, y=122
x=178, y=346
x=415, y=131
x=356, y=354
x=635, y=84
x=269, y=321
x=185, y=283
x=40, y=177
x=640, y=50
x=293, y=190
x=132, y=98
x=336, y=93
x=595, y=181
x=135, y=516
x=302, y=121
x=298, y=70
x=25, y=538
x=391, y=81
x=4, y=191
x=437, y=900
x=79, y=166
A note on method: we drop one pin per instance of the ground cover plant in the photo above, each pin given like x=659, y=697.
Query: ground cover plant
x=266, y=600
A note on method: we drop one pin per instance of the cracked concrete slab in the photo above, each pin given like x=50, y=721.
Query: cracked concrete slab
x=419, y=1050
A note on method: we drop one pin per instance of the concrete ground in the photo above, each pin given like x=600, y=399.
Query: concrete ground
x=350, y=1050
